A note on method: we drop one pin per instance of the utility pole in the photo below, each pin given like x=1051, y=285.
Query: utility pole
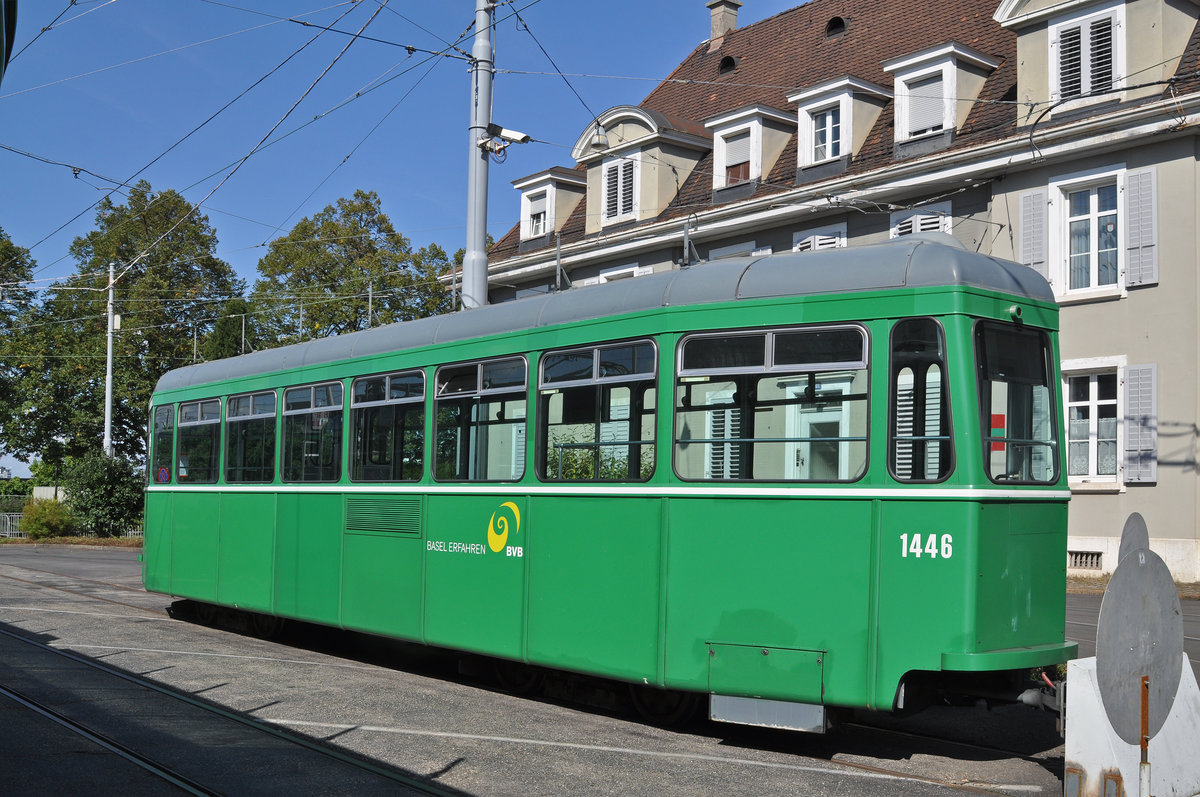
x=474, y=285
x=108, y=381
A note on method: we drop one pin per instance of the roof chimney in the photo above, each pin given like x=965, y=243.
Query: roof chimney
x=724, y=16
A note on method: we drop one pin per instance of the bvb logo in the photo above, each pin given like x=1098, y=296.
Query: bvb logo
x=498, y=529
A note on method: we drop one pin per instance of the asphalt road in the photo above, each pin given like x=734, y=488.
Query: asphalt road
x=410, y=708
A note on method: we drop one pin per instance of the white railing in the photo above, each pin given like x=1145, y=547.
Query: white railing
x=10, y=525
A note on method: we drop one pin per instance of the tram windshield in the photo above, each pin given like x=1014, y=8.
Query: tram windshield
x=1016, y=404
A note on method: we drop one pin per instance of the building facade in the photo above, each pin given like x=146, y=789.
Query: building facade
x=1058, y=133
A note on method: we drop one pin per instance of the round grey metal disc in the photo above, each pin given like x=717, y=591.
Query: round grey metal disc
x=1133, y=536
x=1139, y=632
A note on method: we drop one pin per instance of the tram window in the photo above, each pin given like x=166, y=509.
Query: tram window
x=312, y=433
x=479, y=428
x=596, y=413
x=199, y=442
x=1016, y=404
x=919, y=444
x=387, y=419
x=162, y=461
x=250, y=438
x=779, y=405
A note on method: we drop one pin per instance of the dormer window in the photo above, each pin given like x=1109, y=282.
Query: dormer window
x=746, y=144
x=727, y=65
x=1087, y=52
x=935, y=88
x=835, y=27
x=834, y=118
x=547, y=200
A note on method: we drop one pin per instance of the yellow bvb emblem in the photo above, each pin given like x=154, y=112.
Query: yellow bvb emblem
x=496, y=541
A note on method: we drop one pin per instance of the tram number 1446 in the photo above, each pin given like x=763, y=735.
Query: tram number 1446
x=930, y=545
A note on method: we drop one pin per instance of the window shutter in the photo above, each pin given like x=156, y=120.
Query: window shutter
x=1141, y=237
x=537, y=204
x=737, y=149
x=626, y=187
x=1070, y=63
x=1033, y=231
x=1100, y=54
x=926, y=105
x=612, y=187
x=1141, y=424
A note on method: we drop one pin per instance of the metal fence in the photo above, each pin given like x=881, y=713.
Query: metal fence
x=10, y=525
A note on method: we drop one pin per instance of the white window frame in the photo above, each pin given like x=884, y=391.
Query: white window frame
x=615, y=273
x=633, y=157
x=720, y=146
x=1058, y=237
x=832, y=236
x=1082, y=20
x=528, y=228
x=949, y=76
x=808, y=129
x=1092, y=366
x=934, y=217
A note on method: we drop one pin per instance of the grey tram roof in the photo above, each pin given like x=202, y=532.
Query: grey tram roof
x=917, y=261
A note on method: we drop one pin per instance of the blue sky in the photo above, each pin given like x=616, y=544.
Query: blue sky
x=115, y=83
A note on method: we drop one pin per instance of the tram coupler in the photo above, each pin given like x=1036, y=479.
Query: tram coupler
x=1051, y=697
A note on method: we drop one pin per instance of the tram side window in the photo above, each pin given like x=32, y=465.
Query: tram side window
x=920, y=448
x=778, y=405
x=199, y=441
x=250, y=438
x=596, y=413
x=1016, y=404
x=162, y=461
x=387, y=419
x=479, y=429
x=312, y=433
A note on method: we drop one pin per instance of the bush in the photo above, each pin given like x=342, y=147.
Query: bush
x=105, y=494
x=45, y=517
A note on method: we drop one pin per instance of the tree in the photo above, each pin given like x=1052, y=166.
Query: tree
x=104, y=494
x=235, y=332
x=169, y=282
x=16, y=269
x=342, y=270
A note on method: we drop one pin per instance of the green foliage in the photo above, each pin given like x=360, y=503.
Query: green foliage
x=16, y=487
x=324, y=276
x=235, y=332
x=45, y=517
x=104, y=494
x=164, y=297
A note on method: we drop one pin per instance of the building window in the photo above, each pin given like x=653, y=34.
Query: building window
x=827, y=133
x=1092, y=234
x=620, y=189
x=1087, y=52
x=1112, y=422
x=831, y=237
x=1092, y=426
x=734, y=152
x=927, y=218
x=1093, y=229
x=537, y=215
x=926, y=105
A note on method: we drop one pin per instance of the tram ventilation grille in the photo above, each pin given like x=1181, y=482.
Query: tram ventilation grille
x=1084, y=560
x=390, y=515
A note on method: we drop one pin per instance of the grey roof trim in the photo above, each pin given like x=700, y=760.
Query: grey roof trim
x=915, y=261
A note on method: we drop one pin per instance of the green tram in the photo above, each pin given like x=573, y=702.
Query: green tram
x=792, y=482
